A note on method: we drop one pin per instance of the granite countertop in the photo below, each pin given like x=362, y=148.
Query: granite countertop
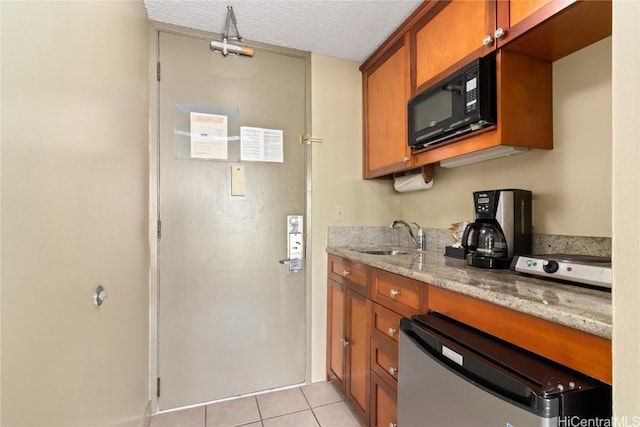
x=581, y=308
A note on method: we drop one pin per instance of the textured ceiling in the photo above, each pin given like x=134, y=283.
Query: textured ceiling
x=347, y=29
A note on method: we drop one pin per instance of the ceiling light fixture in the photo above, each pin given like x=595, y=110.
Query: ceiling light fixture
x=226, y=48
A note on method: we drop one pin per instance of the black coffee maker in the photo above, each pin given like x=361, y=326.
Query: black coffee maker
x=502, y=228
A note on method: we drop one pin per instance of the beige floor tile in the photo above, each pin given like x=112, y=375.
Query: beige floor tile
x=193, y=417
x=321, y=393
x=336, y=415
x=281, y=403
x=233, y=413
x=297, y=419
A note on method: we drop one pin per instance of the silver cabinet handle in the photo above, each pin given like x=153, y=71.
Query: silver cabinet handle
x=499, y=33
x=393, y=425
x=394, y=293
x=344, y=342
x=405, y=159
x=488, y=40
x=392, y=332
x=393, y=371
x=346, y=273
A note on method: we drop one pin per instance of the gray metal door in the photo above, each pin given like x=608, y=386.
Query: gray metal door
x=231, y=318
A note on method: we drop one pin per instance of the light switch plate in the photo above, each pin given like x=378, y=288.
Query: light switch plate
x=237, y=180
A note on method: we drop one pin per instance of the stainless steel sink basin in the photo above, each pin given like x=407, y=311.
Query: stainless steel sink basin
x=384, y=252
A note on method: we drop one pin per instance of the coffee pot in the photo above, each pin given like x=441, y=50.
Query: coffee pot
x=486, y=239
x=501, y=230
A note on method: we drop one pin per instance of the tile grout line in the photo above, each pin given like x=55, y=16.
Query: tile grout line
x=259, y=411
x=310, y=407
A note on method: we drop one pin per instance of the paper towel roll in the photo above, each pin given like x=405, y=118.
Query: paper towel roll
x=413, y=182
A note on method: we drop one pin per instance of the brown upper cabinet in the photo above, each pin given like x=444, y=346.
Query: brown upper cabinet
x=386, y=89
x=450, y=33
x=551, y=29
x=442, y=36
x=454, y=32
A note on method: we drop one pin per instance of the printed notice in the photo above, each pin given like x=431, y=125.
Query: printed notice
x=261, y=145
x=209, y=136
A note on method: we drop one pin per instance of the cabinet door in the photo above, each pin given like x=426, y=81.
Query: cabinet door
x=358, y=335
x=384, y=412
x=517, y=17
x=551, y=29
x=336, y=332
x=386, y=91
x=455, y=33
x=516, y=11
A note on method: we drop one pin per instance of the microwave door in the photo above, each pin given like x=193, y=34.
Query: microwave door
x=437, y=111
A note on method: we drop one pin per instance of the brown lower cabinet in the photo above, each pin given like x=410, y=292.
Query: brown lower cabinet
x=348, y=336
x=365, y=306
x=362, y=334
x=384, y=410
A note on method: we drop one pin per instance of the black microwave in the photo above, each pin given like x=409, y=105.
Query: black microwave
x=462, y=103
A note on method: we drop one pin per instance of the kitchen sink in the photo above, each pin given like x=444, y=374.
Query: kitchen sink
x=384, y=252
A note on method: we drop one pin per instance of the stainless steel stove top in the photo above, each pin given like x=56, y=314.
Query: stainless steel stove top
x=583, y=269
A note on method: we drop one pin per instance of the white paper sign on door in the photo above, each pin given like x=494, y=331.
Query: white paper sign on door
x=261, y=145
x=209, y=136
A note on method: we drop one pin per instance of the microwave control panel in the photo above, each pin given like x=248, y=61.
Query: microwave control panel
x=471, y=90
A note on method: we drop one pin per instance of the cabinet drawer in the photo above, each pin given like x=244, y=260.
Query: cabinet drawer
x=386, y=322
x=351, y=274
x=400, y=294
x=384, y=358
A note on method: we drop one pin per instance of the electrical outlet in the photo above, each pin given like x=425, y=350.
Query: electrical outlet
x=339, y=213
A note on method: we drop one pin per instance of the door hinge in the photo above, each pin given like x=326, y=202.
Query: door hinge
x=159, y=229
x=158, y=70
x=158, y=387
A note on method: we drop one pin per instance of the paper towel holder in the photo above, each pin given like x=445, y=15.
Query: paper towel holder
x=414, y=180
x=426, y=171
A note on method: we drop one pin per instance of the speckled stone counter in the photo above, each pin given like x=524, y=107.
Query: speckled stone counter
x=585, y=309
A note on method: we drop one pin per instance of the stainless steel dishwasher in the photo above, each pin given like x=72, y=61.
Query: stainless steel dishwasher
x=451, y=375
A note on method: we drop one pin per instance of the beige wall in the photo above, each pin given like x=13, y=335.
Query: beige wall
x=74, y=213
x=568, y=181
x=336, y=104
x=626, y=211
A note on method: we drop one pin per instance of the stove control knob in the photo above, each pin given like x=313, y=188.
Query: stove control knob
x=550, y=266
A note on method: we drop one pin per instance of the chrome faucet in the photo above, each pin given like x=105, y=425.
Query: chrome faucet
x=418, y=238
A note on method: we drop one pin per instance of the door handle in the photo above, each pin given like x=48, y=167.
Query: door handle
x=294, y=265
x=295, y=245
